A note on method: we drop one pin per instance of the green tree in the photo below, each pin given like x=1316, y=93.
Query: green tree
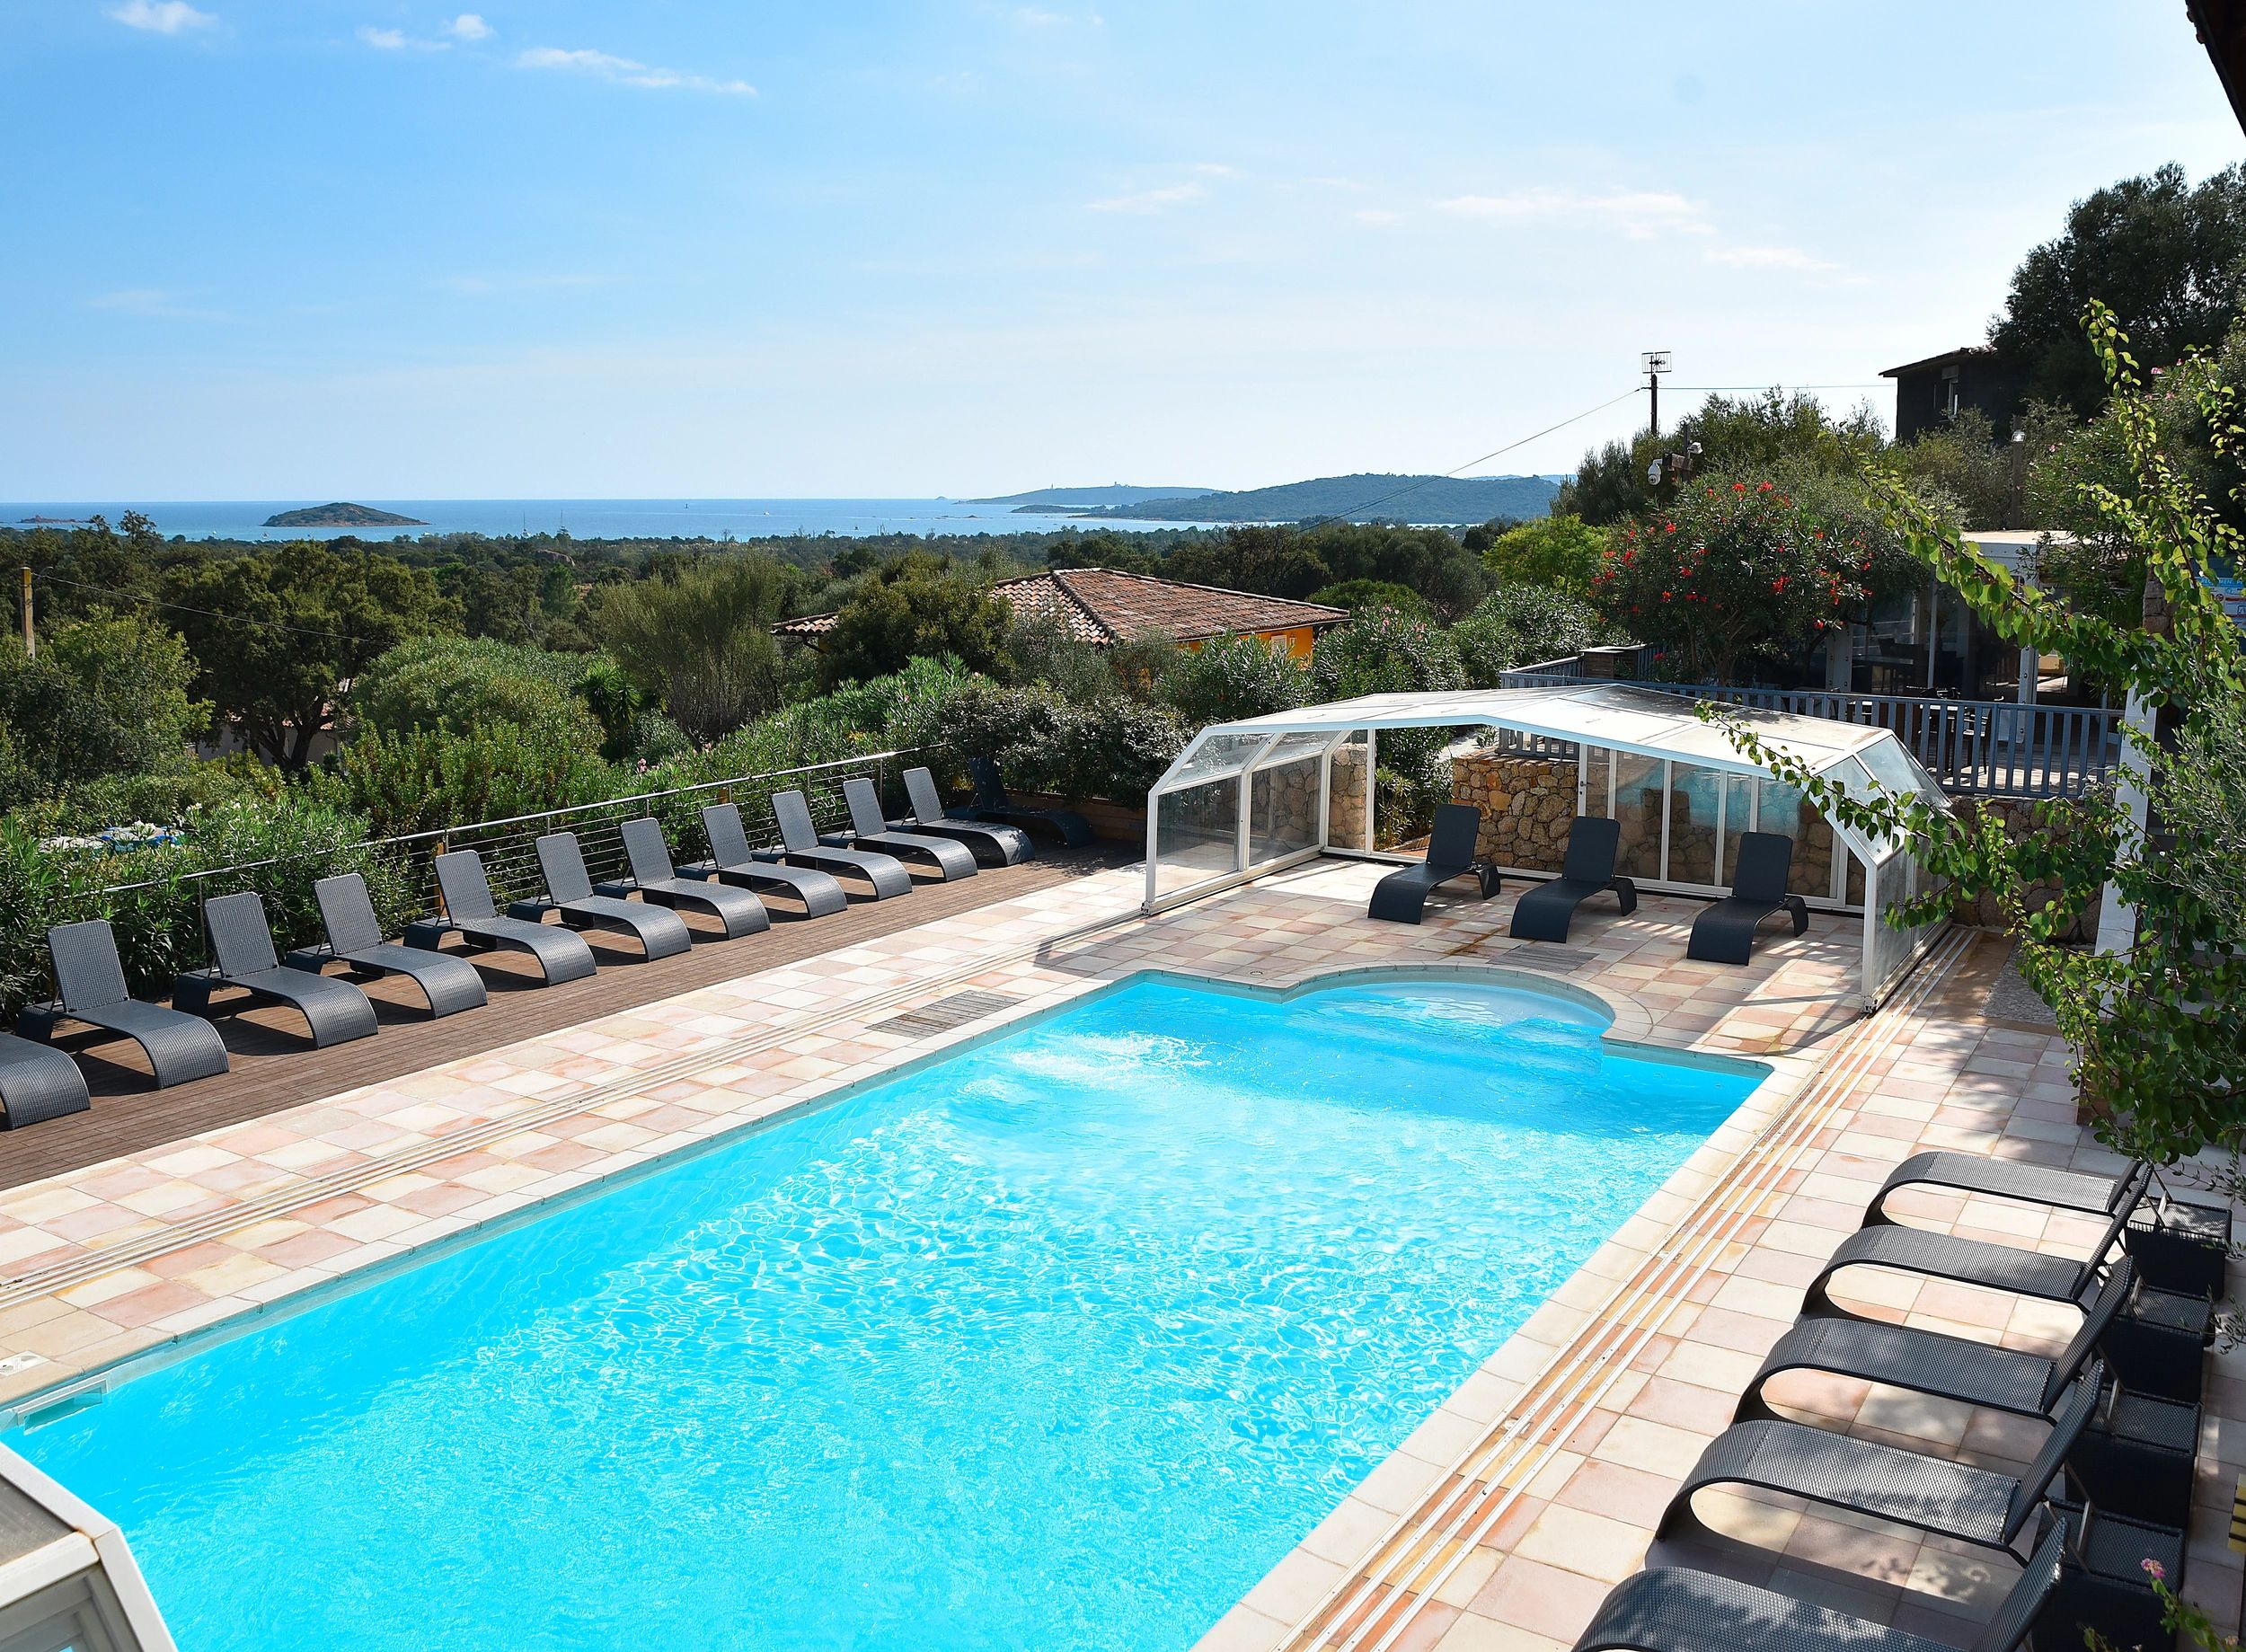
x=2154, y=1028
x=464, y=684
x=1762, y=432
x=916, y=606
x=1742, y=569
x=2169, y=256
x=105, y=696
x=276, y=635
x=699, y=634
x=1272, y=562
x=1359, y=593
x=1559, y=554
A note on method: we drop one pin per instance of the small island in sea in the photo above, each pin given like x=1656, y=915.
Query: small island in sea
x=341, y=514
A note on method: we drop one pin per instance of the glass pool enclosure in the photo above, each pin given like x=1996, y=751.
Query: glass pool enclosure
x=1247, y=799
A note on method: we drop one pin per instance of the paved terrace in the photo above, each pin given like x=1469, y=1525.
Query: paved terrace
x=1504, y=1518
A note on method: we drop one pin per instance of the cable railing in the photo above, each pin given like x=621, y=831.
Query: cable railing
x=1982, y=747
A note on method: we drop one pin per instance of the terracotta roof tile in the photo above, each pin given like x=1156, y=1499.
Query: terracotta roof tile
x=1101, y=605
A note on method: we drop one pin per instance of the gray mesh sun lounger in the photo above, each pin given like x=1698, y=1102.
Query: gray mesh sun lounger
x=37, y=1083
x=1401, y=896
x=1544, y=912
x=90, y=987
x=884, y=874
x=470, y=914
x=993, y=806
x=570, y=894
x=1725, y=932
x=347, y=912
x=1971, y=1261
x=659, y=882
x=243, y=962
x=732, y=862
x=1674, y=1609
x=2009, y=1179
x=1926, y=1362
x=1974, y=1505
x=993, y=845
x=871, y=830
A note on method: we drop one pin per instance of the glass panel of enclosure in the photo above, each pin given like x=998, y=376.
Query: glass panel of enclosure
x=1282, y=808
x=1197, y=835
x=1598, y=782
x=1784, y=810
x=1638, y=792
x=1219, y=755
x=1348, y=802
x=1738, y=818
x=1694, y=795
x=1888, y=949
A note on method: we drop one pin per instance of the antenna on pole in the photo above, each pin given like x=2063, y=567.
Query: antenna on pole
x=1653, y=364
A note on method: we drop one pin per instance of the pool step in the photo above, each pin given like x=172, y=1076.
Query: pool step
x=946, y=1014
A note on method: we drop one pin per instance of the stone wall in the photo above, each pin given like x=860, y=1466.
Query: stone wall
x=2018, y=814
x=1525, y=804
x=1344, y=801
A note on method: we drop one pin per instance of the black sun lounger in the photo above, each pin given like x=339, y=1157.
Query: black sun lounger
x=470, y=914
x=1972, y=1261
x=658, y=881
x=731, y=862
x=1980, y=1507
x=242, y=961
x=90, y=987
x=1725, y=932
x=1927, y=1362
x=1401, y=896
x=883, y=874
x=37, y=1083
x=347, y=913
x=871, y=830
x=1675, y=1609
x=570, y=894
x=993, y=845
x=993, y=806
x=1544, y=912
x=2009, y=1179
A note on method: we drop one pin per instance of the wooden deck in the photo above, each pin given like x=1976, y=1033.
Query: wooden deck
x=274, y=1067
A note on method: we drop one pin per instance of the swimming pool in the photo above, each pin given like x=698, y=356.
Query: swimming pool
x=1060, y=1342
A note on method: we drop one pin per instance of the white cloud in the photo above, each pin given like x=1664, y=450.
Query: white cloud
x=1032, y=17
x=1216, y=169
x=1377, y=215
x=1638, y=214
x=1769, y=257
x=627, y=71
x=468, y=26
x=161, y=17
x=1150, y=200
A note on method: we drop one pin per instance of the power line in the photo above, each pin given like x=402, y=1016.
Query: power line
x=1883, y=385
x=210, y=614
x=1448, y=476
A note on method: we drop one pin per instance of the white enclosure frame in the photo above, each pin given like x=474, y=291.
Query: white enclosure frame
x=1232, y=806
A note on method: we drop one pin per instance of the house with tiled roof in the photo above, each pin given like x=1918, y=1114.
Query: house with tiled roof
x=1104, y=605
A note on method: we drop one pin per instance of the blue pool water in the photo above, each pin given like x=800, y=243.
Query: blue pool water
x=1059, y=1343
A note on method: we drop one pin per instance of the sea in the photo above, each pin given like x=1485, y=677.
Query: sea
x=583, y=519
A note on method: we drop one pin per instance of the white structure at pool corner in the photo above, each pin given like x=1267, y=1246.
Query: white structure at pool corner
x=1202, y=837
x=66, y=1577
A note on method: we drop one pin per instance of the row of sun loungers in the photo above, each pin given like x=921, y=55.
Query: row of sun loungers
x=37, y=1081
x=1724, y=933
x=2084, y=1531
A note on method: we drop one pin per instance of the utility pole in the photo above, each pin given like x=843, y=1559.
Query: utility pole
x=30, y=638
x=1654, y=363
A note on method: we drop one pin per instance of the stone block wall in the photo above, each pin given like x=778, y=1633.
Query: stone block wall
x=1345, y=800
x=2018, y=815
x=1525, y=804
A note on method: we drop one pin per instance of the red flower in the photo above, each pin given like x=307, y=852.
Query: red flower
x=1668, y=527
x=1738, y=487
x=1766, y=488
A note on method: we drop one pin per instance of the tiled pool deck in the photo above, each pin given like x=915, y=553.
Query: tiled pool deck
x=1505, y=1516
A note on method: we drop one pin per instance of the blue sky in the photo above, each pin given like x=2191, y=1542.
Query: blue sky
x=304, y=248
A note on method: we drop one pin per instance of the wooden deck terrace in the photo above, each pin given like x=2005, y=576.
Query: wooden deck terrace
x=275, y=1066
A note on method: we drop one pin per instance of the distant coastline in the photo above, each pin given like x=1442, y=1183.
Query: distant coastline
x=341, y=515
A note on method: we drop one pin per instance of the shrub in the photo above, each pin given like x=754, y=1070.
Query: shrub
x=1231, y=678
x=1524, y=626
x=1357, y=595
x=701, y=636
x=1559, y=554
x=431, y=778
x=1111, y=747
x=1382, y=651
x=469, y=683
x=916, y=607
